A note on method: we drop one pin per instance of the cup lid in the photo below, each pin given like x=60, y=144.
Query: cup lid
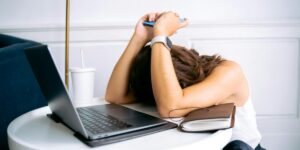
x=79, y=69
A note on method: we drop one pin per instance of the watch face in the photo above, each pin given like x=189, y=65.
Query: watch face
x=169, y=43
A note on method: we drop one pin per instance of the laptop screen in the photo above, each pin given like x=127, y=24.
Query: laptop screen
x=52, y=86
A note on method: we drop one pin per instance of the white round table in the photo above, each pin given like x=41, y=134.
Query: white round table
x=34, y=130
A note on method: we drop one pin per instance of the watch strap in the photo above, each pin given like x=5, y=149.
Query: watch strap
x=162, y=39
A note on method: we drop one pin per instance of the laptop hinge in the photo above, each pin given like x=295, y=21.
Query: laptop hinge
x=54, y=117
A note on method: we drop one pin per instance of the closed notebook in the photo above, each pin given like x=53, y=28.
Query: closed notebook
x=209, y=119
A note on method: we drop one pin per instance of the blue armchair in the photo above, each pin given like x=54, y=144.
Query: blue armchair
x=19, y=90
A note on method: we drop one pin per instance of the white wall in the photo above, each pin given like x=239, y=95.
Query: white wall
x=51, y=12
x=262, y=35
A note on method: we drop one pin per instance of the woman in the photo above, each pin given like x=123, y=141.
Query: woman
x=178, y=80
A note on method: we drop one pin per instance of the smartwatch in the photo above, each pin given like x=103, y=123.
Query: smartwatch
x=162, y=39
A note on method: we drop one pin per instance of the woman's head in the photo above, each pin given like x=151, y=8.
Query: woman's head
x=190, y=68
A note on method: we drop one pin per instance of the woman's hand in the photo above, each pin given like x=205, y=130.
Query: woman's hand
x=145, y=33
x=168, y=23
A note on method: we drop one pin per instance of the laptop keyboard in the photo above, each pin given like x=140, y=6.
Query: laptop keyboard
x=97, y=122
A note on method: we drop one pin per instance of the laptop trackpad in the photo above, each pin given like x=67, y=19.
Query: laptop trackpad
x=128, y=115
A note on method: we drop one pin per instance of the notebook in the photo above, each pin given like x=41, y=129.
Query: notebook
x=93, y=125
x=209, y=119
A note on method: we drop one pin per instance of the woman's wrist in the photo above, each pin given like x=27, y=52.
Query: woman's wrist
x=158, y=32
x=140, y=39
x=136, y=43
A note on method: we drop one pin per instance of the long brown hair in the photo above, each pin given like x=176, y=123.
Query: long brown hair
x=190, y=68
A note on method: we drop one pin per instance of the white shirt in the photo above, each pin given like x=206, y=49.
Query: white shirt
x=245, y=127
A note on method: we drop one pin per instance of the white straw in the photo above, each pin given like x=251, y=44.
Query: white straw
x=82, y=60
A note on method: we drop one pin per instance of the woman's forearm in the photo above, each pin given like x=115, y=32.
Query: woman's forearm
x=117, y=88
x=166, y=88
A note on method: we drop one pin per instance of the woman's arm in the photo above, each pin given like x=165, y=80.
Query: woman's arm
x=221, y=86
x=117, y=89
x=225, y=84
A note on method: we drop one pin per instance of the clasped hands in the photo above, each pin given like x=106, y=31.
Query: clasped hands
x=166, y=24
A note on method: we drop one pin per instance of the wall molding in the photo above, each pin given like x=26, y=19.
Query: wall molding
x=121, y=31
x=130, y=24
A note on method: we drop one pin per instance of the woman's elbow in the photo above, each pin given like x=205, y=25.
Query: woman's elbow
x=170, y=113
x=119, y=99
x=110, y=98
x=164, y=113
x=166, y=110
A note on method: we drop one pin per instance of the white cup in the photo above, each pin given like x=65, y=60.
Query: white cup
x=82, y=85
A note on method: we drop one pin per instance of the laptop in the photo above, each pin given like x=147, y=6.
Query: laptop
x=104, y=123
